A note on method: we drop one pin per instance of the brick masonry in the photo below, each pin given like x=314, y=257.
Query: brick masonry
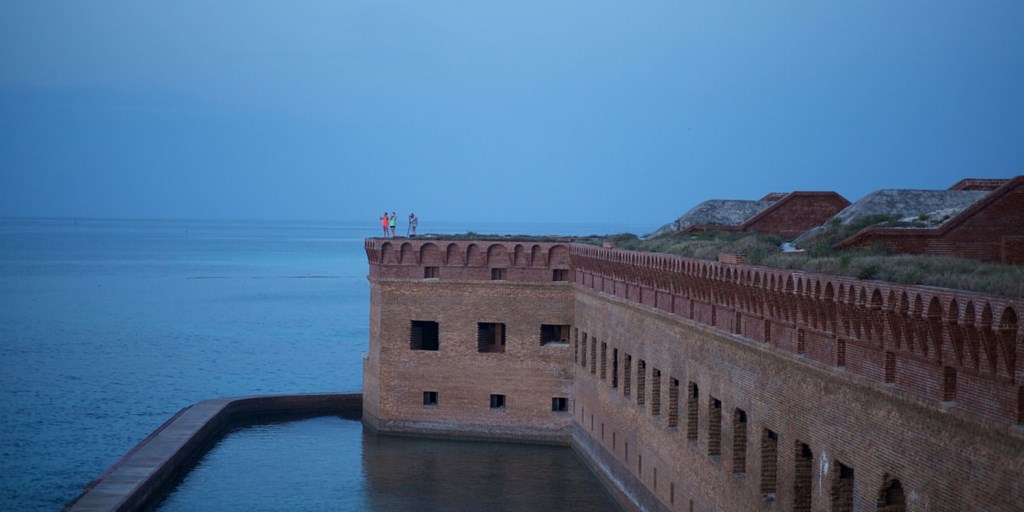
x=775, y=389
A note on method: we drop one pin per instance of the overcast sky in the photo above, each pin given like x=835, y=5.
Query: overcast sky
x=611, y=112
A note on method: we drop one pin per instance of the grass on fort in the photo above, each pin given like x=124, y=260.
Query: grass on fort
x=818, y=256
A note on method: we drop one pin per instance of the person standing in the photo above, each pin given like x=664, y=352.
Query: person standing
x=413, y=221
x=384, y=223
x=392, y=221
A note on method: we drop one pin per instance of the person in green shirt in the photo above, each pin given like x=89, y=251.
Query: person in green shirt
x=393, y=220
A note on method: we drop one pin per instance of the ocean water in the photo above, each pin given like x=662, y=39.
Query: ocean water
x=109, y=327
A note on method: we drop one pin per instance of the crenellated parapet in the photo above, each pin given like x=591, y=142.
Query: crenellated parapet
x=947, y=345
x=480, y=260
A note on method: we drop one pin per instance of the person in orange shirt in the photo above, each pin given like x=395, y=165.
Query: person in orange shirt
x=384, y=223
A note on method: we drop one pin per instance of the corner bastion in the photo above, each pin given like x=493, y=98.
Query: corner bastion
x=693, y=385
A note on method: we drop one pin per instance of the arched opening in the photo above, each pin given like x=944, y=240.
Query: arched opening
x=891, y=498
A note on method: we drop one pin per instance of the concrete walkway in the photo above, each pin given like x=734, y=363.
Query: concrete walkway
x=160, y=460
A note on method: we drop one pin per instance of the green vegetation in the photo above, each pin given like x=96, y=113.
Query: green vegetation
x=819, y=257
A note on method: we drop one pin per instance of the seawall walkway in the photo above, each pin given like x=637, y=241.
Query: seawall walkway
x=160, y=460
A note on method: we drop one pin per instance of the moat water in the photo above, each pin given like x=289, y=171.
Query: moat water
x=109, y=327
x=331, y=463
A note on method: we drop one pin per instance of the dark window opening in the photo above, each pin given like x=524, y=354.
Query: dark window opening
x=739, y=441
x=559, y=404
x=641, y=382
x=430, y=272
x=673, y=403
x=627, y=376
x=714, y=426
x=490, y=337
x=583, y=352
x=604, y=360
x=655, y=392
x=593, y=355
x=841, y=490
x=692, y=412
x=423, y=335
x=560, y=274
x=890, y=367
x=615, y=368
x=769, y=464
x=948, y=384
x=430, y=398
x=892, y=498
x=497, y=274
x=802, y=478
x=800, y=341
x=554, y=334
x=497, y=401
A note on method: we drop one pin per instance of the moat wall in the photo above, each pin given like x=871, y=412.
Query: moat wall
x=702, y=386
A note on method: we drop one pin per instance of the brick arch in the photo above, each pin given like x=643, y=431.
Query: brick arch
x=520, y=258
x=387, y=254
x=408, y=255
x=475, y=257
x=956, y=331
x=891, y=497
x=971, y=335
x=537, y=256
x=430, y=255
x=987, y=336
x=1007, y=333
x=497, y=256
x=934, y=319
x=558, y=256
x=453, y=255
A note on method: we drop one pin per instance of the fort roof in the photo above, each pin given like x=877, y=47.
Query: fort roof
x=902, y=203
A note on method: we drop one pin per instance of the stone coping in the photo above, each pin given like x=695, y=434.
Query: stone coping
x=161, y=458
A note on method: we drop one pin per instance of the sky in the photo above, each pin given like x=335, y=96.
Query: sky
x=526, y=111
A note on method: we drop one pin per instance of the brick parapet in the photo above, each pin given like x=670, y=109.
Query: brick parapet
x=521, y=261
x=939, y=344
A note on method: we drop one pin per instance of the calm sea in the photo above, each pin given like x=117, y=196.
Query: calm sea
x=108, y=327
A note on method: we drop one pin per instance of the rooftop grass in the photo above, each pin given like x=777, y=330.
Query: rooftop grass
x=819, y=257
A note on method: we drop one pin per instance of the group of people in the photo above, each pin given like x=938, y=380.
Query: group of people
x=389, y=221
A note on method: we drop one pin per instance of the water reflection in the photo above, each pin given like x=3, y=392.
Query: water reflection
x=331, y=463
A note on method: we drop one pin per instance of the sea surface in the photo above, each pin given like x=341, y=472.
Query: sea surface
x=109, y=327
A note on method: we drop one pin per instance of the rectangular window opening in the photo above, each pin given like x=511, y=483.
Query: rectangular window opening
x=692, y=411
x=559, y=404
x=641, y=382
x=423, y=335
x=627, y=376
x=593, y=355
x=554, y=334
x=842, y=488
x=655, y=392
x=497, y=274
x=490, y=337
x=948, y=384
x=769, y=464
x=430, y=398
x=604, y=360
x=714, y=426
x=615, y=368
x=803, y=473
x=560, y=274
x=430, y=272
x=739, y=441
x=497, y=401
x=673, y=403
